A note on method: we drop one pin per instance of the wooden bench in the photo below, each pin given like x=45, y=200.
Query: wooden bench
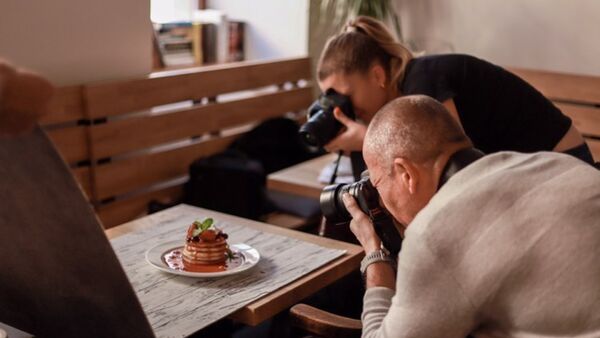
x=578, y=96
x=129, y=142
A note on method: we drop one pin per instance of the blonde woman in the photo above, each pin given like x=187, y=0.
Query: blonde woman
x=496, y=109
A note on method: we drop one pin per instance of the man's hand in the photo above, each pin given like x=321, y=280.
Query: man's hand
x=361, y=226
x=351, y=139
x=24, y=99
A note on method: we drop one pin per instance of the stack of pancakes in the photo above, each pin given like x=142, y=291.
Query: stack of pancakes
x=205, y=252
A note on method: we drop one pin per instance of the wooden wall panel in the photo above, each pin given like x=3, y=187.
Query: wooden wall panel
x=124, y=176
x=112, y=98
x=126, y=210
x=585, y=118
x=125, y=135
x=560, y=86
x=71, y=143
x=83, y=176
x=66, y=105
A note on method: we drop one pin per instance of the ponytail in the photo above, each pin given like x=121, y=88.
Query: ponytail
x=362, y=42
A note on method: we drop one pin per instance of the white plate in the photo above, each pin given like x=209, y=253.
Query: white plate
x=247, y=254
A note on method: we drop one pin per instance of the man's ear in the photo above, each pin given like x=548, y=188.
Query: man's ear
x=377, y=74
x=408, y=174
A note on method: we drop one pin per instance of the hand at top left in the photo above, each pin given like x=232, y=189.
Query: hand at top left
x=24, y=99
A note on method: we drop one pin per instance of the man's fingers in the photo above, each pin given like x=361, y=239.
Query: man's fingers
x=352, y=206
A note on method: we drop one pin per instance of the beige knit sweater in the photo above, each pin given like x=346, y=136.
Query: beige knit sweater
x=509, y=247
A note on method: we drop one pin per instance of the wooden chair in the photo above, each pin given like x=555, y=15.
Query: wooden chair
x=323, y=324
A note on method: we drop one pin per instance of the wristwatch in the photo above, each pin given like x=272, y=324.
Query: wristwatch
x=381, y=255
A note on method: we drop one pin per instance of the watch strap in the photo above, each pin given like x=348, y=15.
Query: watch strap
x=380, y=255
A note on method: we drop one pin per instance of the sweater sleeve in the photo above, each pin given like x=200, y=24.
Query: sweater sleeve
x=428, y=302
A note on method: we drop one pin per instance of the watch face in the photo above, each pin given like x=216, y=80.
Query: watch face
x=384, y=249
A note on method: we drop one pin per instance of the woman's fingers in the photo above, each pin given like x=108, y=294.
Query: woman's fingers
x=340, y=116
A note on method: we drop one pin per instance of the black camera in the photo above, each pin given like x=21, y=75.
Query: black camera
x=367, y=198
x=322, y=126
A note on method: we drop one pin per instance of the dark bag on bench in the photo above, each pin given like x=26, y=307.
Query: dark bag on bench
x=228, y=182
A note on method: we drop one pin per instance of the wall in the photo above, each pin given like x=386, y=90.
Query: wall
x=558, y=35
x=274, y=28
x=77, y=41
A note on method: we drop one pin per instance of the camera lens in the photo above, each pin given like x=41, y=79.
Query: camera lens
x=367, y=198
x=320, y=128
x=332, y=204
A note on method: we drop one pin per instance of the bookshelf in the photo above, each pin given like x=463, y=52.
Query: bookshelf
x=206, y=40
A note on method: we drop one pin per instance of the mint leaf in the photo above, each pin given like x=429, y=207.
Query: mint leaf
x=206, y=224
x=230, y=254
x=197, y=228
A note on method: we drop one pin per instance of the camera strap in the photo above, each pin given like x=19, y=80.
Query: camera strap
x=458, y=161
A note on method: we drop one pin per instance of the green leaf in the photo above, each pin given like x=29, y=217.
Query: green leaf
x=206, y=224
x=230, y=254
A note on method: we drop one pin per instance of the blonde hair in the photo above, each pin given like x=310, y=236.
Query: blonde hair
x=362, y=42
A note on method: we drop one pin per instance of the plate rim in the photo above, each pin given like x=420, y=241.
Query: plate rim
x=177, y=243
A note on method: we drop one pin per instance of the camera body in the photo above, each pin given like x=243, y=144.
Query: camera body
x=367, y=198
x=322, y=127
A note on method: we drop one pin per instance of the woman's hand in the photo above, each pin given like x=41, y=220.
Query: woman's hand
x=361, y=225
x=351, y=138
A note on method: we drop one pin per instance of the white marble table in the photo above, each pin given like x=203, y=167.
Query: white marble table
x=293, y=265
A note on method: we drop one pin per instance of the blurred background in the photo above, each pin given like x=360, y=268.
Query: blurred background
x=79, y=41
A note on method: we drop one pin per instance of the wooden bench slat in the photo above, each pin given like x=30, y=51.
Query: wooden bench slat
x=66, y=106
x=71, y=143
x=117, y=137
x=84, y=177
x=267, y=107
x=560, y=86
x=585, y=118
x=125, y=210
x=120, y=177
x=106, y=99
x=595, y=148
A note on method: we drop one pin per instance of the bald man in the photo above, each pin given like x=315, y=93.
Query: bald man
x=24, y=99
x=504, y=245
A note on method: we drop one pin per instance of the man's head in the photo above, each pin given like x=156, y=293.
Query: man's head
x=406, y=147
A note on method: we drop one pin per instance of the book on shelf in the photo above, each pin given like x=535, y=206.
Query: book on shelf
x=218, y=20
x=208, y=39
x=178, y=42
x=236, y=41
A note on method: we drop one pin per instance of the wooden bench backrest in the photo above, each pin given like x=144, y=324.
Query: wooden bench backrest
x=139, y=136
x=578, y=97
x=67, y=127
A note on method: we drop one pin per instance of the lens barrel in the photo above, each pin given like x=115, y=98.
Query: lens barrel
x=322, y=126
